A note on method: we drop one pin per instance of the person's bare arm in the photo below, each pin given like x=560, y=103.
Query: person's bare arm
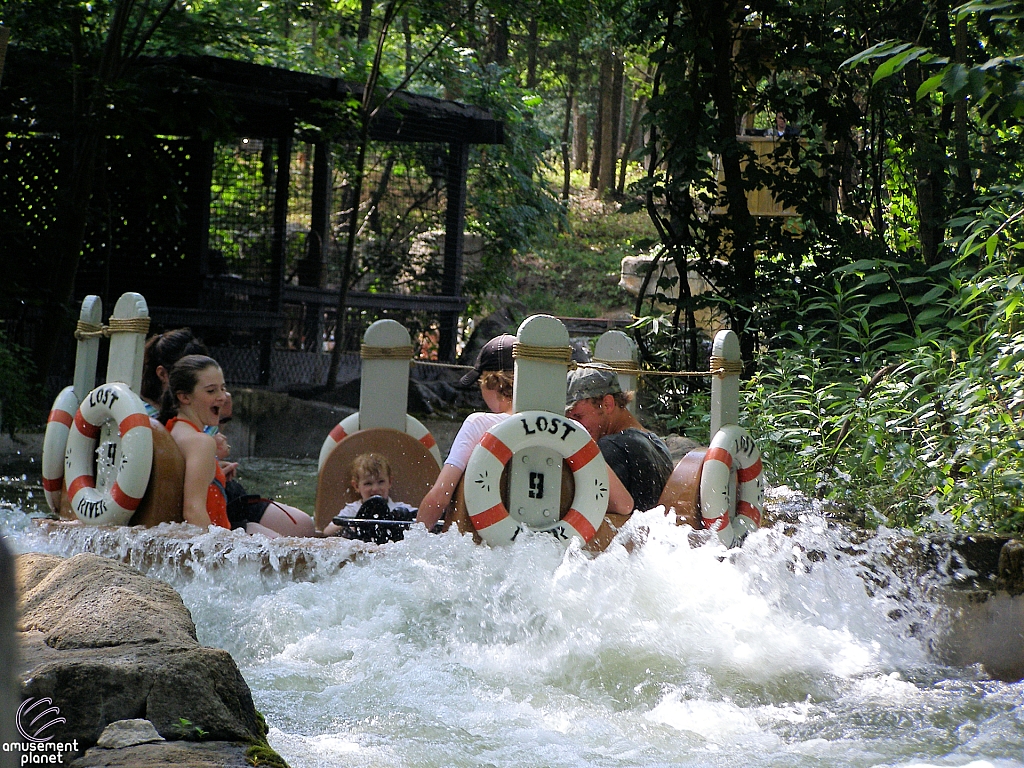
x=199, y=452
x=438, y=497
x=619, y=499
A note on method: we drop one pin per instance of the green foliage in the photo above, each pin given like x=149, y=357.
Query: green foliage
x=994, y=85
x=19, y=408
x=914, y=415
x=509, y=202
x=593, y=243
x=263, y=755
x=189, y=731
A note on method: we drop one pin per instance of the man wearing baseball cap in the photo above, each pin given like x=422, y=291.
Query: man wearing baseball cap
x=638, y=457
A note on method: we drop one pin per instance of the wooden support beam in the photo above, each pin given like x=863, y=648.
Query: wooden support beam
x=278, y=245
x=454, y=224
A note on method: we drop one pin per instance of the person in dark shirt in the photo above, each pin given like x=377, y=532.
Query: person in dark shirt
x=638, y=457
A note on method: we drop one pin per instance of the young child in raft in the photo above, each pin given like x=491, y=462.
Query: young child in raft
x=371, y=476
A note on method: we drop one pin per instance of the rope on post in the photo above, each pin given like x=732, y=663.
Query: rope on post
x=128, y=325
x=436, y=364
x=385, y=353
x=85, y=330
x=722, y=367
x=719, y=366
x=542, y=354
x=620, y=366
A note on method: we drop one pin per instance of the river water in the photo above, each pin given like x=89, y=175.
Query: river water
x=804, y=648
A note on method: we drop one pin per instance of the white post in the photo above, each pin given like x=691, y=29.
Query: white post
x=540, y=384
x=127, y=349
x=619, y=350
x=725, y=390
x=535, y=474
x=88, y=351
x=384, y=386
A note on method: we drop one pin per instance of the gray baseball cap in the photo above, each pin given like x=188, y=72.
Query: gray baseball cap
x=596, y=380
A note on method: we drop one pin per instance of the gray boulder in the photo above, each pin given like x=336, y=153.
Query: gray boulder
x=106, y=643
x=190, y=754
x=128, y=733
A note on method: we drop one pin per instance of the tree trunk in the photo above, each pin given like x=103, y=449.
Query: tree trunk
x=531, y=53
x=407, y=37
x=618, y=81
x=602, y=98
x=929, y=162
x=741, y=254
x=365, y=16
x=566, y=130
x=606, y=168
x=627, y=148
x=579, y=139
x=964, y=178
x=497, y=40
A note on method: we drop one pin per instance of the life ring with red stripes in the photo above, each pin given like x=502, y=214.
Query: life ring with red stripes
x=528, y=429
x=55, y=442
x=350, y=425
x=113, y=503
x=732, y=485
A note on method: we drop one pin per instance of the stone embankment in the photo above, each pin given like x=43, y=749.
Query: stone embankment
x=106, y=644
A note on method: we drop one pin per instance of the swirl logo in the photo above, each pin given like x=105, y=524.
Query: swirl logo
x=35, y=716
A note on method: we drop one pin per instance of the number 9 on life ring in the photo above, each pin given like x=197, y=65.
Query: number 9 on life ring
x=116, y=503
x=521, y=431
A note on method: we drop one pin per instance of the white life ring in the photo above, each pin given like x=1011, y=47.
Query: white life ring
x=113, y=505
x=732, y=485
x=55, y=441
x=350, y=425
x=528, y=429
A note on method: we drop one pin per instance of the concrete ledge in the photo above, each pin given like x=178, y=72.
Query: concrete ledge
x=28, y=446
x=274, y=425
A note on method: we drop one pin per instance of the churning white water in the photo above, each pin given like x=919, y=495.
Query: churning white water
x=796, y=650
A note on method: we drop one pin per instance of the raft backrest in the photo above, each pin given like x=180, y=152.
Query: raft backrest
x=384, y=384
x=725, y=390
x=413, y=467
x=620, y=351
x=540, y=384
x=88, y=349
x=128, y=349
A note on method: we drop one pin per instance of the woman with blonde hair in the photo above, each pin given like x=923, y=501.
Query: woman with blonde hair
x=493, y=371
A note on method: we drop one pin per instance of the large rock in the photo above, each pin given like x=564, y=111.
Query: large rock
x=191, y=754
x=106, y=643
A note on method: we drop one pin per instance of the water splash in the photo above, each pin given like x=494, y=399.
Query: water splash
x=812, y=645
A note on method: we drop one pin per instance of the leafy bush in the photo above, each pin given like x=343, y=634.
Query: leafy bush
x=906, y=403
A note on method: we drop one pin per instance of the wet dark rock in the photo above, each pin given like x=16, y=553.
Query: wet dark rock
x=505, y=320
x=106, y=643
x=1011, y=567
x=679, y=446
x=215, y=754
x=273, y=424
